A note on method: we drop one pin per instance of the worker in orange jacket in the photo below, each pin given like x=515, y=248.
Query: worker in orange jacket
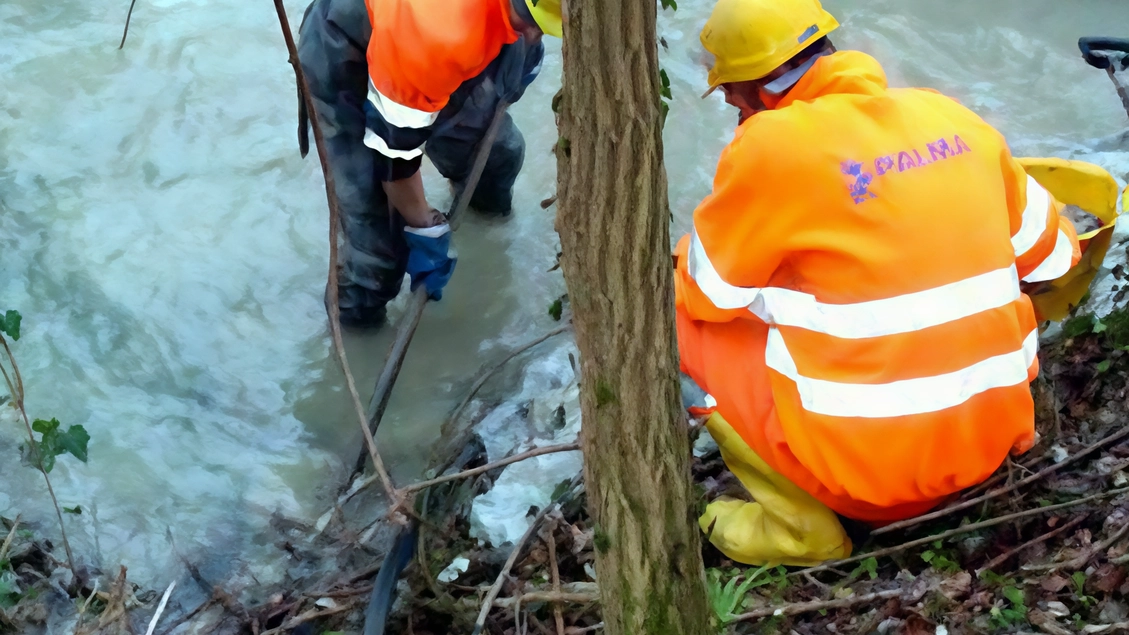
x=392, y=80
x=852, y=292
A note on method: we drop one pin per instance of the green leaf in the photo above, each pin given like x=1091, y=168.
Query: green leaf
x=556, y=308
x=669, y=4
x=927, y=556
x=75, y=441
x=937, y=544
x=1099, y=326
x=45, y=427
x=1103, y=366
x=665, y=89
x=1079, y=579
x=9, y=590
x=73, y=510
x=10, y=324
x=561, y=489
x=1078, y=326
x=1014, y=595
x=868, y=566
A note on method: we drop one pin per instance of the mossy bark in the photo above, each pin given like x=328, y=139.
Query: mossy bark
x=613, y=221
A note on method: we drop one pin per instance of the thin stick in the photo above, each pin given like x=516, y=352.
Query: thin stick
x=821, y=605
x=1004, y=557
x=548, y=596
x=556, y=578
x=8, y=541
x=422, y=485
x=1004, y=490
x=308, y=616
x=485, y=375
x=160, y=609
x=496, y=588
x=959, y=530
x=382, y=392
x=331, y=302
x=550, y=449
x=36, y=455
x=128, y=16
x=1079, y=561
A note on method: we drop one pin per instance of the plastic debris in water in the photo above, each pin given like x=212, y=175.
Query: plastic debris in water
x=451, y=573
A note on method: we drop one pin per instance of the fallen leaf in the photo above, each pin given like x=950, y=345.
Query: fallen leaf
x=1107, y=577
x=1058, y=609
x=1054, y=584
x=956, y=586
x=1046, y=623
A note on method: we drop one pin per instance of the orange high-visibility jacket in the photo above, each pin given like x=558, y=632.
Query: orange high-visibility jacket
x=850, y=293
x=422, y=50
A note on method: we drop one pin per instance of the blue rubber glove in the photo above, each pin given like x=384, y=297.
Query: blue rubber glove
x=430, y=258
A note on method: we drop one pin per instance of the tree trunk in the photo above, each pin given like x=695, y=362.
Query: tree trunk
x=613, y=220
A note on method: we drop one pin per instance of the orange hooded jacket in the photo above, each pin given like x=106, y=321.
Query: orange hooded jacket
x=850, y=293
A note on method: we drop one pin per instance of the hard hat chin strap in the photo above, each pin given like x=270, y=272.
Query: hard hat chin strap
x=781, y=84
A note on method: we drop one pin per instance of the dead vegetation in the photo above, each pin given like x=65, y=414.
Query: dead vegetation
x=1042, y=546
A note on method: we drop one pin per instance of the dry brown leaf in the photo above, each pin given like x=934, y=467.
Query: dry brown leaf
x=1054, y=584
x=956, y=586
x=1107, y=578
x=1046, y=623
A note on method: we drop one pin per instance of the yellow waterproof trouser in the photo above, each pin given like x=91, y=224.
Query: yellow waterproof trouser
x=785, y=524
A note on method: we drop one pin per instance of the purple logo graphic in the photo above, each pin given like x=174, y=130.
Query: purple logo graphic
x=859, y=188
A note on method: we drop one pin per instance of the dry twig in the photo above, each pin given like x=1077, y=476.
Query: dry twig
x=555, y=574
x=160, y=609
x=1004, y=490
x=486, y=374
x=959, y=530
x=547, y=596
x=1079, y=561
x=309, y=616
x=529, y=454
x=496, y=588
x=8, y=541
x=1002, y=558
x=820, y=605
x=334, y=218
x=128, y=17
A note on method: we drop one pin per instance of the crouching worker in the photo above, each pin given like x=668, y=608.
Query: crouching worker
x=392, y=80
x=855, y=291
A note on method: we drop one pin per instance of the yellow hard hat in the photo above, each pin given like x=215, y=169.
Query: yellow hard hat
x=547, y=15
x=749, y=39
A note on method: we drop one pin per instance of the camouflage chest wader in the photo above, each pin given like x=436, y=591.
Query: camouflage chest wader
x=333, y=39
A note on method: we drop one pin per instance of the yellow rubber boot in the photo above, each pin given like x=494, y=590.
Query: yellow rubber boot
x=1094, y=191
x=785, y=525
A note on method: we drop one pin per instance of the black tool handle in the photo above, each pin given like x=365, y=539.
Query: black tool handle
x=1091, y=46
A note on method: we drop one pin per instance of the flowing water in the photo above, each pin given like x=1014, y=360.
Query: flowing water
x=167, y=247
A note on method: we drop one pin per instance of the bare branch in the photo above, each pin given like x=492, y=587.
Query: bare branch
x=486, y=374
x=1002, y=558
x=958, y=531
x=334, y=216
x=8, y=541
x=820, y=605
x=496, y=588
x=550, y=449
x=128, y=16
x=160, y=609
